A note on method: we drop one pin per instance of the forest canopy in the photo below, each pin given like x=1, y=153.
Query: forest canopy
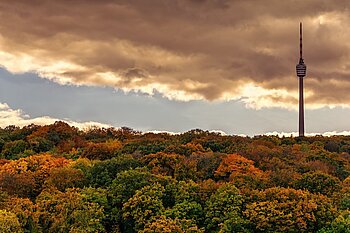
x=57, y=178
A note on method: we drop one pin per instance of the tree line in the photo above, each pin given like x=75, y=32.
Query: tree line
x=57, y=178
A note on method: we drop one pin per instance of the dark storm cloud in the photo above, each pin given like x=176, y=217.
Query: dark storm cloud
x=184, y=49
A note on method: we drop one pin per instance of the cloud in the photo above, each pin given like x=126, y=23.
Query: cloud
x=185, y=50
x=296, y=134
x=223, y=133
x=9, y=116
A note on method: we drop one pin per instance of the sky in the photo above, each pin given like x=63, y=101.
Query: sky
x=175, y=65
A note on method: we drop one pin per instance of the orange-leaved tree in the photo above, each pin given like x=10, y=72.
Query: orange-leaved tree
x=102, y=150
x=241, y=171
x=288, y=210
x=26, y=176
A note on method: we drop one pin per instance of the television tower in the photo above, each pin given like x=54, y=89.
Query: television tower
x=301, y=72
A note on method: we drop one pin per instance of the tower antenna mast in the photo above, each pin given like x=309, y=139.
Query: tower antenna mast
x=301, y=40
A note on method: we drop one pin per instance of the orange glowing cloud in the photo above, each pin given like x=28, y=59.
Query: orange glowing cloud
x=185, y=50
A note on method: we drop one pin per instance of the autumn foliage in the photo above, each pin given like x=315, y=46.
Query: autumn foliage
x=57, y=178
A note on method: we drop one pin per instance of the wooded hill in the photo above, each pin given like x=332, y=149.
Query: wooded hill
x=57, y=178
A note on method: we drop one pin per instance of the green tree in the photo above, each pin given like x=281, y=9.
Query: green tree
x=345, y=194
x=186, y=191
x=100, y=197
x=224, y=204
x=340, y=225
x=2, y=143
x=68, y=212
x=124, y=186
x=144, y=206
x=13, y=149
x=318, y=182
x=9, y=222
x=40, y=144
x=102, y=173
x=128, y=182
x=235, y=223
x=189, y=210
